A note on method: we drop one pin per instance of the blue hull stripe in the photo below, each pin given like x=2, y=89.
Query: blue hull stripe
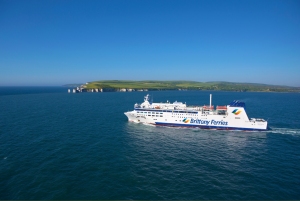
x=207, y=127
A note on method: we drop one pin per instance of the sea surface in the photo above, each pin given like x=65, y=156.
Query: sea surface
x=55, y=145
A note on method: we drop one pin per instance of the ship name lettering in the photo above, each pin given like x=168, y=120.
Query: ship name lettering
x=199, y=121
x=223, y=123
x=206, y=122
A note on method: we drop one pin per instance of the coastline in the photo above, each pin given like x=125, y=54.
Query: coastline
x=130, y=86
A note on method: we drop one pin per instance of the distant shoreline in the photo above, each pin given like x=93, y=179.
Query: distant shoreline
x=129, y=86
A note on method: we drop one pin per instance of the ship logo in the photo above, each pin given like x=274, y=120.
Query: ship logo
x=236, y=111
x=186, y=120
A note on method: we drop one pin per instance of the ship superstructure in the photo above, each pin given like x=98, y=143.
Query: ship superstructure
x=228, y=117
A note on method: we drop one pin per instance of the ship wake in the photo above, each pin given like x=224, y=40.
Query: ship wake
x=288, y=131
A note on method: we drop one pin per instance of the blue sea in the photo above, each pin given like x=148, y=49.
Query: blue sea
x=60, y=146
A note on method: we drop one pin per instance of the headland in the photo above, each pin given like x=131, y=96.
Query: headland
x=129, y=86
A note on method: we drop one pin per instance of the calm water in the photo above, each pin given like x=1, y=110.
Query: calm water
x=55, y=145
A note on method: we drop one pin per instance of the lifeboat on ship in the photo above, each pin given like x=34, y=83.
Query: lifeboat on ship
x=221, y=108
x=207, y=107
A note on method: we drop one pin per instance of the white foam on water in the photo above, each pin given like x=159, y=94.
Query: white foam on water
x=285, y=131
x=148, y=124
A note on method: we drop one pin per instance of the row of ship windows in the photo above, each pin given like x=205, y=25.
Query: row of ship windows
x=162, y=113
x=151, y=112
x=185, y=114
x=172, y=111
x=179, y=117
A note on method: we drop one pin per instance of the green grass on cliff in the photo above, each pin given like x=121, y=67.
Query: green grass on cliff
x=190, y=85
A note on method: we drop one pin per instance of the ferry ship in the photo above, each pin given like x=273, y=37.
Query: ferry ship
x=178, y=114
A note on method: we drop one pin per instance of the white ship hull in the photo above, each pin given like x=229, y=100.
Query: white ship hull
x=230, y=117
x=211, y=122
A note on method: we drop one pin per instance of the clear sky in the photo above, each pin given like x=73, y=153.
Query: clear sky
x=56, y=42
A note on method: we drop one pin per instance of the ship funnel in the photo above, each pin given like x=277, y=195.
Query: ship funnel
x=210, y=99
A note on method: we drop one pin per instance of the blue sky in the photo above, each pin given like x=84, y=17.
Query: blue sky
x=56, y=42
